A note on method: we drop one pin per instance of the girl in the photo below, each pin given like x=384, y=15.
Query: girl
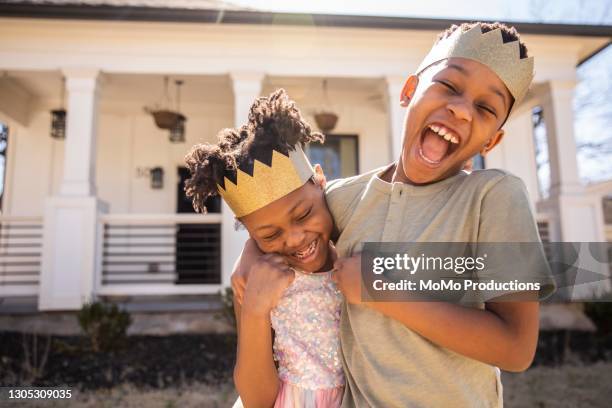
x=262, y=173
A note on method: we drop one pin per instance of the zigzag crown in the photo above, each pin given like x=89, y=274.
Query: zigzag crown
x=488, y=49
x=267, y=183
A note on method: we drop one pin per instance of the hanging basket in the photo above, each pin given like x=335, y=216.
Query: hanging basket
x=165, y=119
x=326, y=121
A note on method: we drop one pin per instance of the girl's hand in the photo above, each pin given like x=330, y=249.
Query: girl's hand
x=269, y=276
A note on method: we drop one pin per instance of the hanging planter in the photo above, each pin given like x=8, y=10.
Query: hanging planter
x=164, y=119
x=326, y=120
x=168, y=119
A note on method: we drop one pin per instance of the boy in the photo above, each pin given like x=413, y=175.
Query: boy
x=415, y=354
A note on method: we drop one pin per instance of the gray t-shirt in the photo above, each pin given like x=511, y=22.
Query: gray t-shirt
x=387, y=364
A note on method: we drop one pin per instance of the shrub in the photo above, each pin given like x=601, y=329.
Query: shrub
x=227, y=298
x=601, y=314
x=105, y=325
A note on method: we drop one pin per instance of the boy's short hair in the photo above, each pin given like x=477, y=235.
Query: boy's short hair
x=509, y=33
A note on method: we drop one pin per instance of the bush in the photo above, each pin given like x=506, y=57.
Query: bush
x=227, y=298
x=601, y=314
x=105, y=325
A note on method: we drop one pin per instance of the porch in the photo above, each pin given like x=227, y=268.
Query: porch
x=80, y=218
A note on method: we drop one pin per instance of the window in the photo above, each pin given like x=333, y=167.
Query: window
x=540, y=142
x=593, y=117
x=607, y=208
x=3, y=152
x=339, y=156
x=478, y=162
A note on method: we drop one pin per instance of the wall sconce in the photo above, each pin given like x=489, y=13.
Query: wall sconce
x=157, y=178
x=58, y=117
x=58, y=124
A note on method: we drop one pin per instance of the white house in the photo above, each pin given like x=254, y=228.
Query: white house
x=81, y=217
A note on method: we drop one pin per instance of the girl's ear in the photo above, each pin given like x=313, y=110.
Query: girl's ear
x=319, y=177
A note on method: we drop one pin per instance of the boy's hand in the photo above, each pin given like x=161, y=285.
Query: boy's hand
x=240, y=276
x=347, y=275
x=269, y=276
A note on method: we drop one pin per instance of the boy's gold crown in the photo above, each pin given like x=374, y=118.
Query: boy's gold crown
x=268, y=183
x=488, y=49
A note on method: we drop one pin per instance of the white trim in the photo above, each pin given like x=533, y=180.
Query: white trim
x=158, y=289
x=18, y=290
x=19, y=218
x=157, y=219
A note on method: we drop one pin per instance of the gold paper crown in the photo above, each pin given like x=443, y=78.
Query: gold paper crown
x=268, y=183
x=488, y=49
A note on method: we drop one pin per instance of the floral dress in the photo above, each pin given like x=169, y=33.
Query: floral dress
x=307, y=343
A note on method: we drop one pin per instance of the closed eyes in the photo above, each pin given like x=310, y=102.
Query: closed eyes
x=449, y=86
x=304, y=215
x=454, y=90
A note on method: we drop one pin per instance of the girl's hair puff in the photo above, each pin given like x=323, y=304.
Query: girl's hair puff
x=274, y=123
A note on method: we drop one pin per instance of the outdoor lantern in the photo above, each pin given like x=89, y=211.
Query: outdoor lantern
x=58, y=117
x=157, y=178
x=58, y=124
x=177, y=133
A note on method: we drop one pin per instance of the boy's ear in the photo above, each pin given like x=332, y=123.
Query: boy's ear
x=494, y=141
x=319, y=177
x=408, y=90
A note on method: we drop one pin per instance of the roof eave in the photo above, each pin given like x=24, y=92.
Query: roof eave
x=102, y=12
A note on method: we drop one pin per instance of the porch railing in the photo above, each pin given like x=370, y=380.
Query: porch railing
x=161, y=254
x=20, y=255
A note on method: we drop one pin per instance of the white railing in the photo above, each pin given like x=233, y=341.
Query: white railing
x=159, y=254
x=20, y=254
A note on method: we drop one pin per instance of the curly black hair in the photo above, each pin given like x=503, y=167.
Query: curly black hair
x=274, y=123
x=509, y=33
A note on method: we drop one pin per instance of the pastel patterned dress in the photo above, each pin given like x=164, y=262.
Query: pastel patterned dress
x=307, y=343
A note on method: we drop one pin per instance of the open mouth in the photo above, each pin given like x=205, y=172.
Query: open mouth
x=306, y=253
x=437, y=143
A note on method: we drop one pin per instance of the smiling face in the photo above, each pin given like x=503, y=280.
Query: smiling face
x=297, y=226
x=455, y=110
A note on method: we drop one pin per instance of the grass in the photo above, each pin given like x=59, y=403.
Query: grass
x=571, y=385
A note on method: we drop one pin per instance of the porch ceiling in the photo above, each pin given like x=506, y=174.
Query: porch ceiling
x=203, y=89
x=46, y=85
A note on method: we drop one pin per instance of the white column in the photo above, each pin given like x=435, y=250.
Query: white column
x=81, y=127
x=246, y=87
x=559, y=118
x=577, y=217
x=516, y=152
x=395, y=83
x=72, y=236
